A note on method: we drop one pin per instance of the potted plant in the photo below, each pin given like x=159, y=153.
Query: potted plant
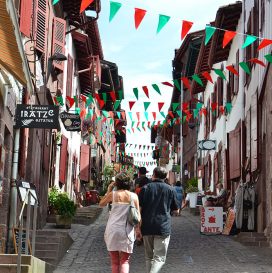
x=192, y=191
x=52, y=197
x=65, y=211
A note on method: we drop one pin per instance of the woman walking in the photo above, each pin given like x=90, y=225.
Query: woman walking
x=120, y=235
x=179, y=193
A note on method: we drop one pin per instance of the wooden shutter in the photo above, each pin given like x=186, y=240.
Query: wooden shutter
x=215, y=168
x=70, y=72
x=63, y=159
x=46, y=150
x=213, y=113
x=235, y=153
x=26, y=14
x=22, y=152
x=254, y=135
x=219, y=94
x=59, y=29
x=185, y=128
x=235, y=77
x=41, y=25
x=248, y=133
x=84, y=162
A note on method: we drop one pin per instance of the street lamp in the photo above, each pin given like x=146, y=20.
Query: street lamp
x=55, y=57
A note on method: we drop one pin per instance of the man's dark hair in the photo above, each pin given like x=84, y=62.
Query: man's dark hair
x=122, y=181
x=178, y=183
x=159, y=173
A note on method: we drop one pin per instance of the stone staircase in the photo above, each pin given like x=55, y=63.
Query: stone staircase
x=87, y=215
x=30, y=264
x=51, y=245
x=253, y=239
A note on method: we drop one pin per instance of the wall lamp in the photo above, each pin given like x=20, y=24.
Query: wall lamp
x=55, y=57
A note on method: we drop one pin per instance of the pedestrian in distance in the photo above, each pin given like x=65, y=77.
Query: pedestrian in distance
x=142, y=180
x=179, y=193
x=119, y=234
x=157, y=200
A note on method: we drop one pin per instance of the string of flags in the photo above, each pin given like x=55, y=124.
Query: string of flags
x=139, y=146
x=145, y=163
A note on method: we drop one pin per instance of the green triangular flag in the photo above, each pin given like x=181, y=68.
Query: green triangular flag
x=146, y=105
x=249, y=40
x=163, y=20
x=228, y=107
x=153, y=123
x=77, y=110
x=118, y=132
x=90, y=113
x=177, y=84
x=129, y=131
x=163, y=122
x=136, y=93
x=139, y=129
x=118, y=114
x=130, y=115
x=156, y=88
x=209, y=33
x=146, y=115
x=76, y=101
x=132, y=124
x=104, y=96
x=89, y=100
x=162, y=113
x=116, y=105
x=245, y=67
x=179, y=113
x=101, y=134
x=143, y=123
x=199, y=105
x=105, y=114
x=120, y=94
x=195, y=112
x=175, y=105
x=184, y=119
x=98, y=118
x=111, y=121
x=114, y=7
x=197, y=79
x=268, y=58
x=220, y=73
x=55, y=2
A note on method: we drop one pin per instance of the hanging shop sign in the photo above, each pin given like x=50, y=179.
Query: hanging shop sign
x=207, y=144
x=211, y=220
x=70, y=121
x=37, y=116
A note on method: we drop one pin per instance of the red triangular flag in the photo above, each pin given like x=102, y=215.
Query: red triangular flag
x=123, y=115
x=203, y=111
x=113, y=96
x=185, y=106
x=159, y=123
x=83, y=98
x=170, y=113
x=100, y=102
x=168, y=84
x=146, y=91
x=188, y=116
x=139, y=16
x=232, y=70
x=228, y=36
x=154, y=115
x=117, y=121
x=186, y=26
x=160, y=105
x=56, y=101
x=71, y=101
x=207, y=76
x=138, y=115
x=222, y=109
x=186, y=82
x=82, y=113
x=257, y=61
x=85, y=4
x=264, y=43
x=131, y=103
x=214, y=106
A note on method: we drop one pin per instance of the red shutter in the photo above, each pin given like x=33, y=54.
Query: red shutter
x=70, y=71
x=215, y=165
x=63, y=160
x=46, y=150
x=84, y=162
x=26, y=17
x=235, y=153
x=41, y=25
x=59, y=29
x=254, y=135
x=22, y=152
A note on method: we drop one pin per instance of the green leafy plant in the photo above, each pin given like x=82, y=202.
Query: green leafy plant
x=64, y=206
x=191, y=185
x=52, y=197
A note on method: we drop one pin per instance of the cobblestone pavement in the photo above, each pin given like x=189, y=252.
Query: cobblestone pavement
x=189, y=251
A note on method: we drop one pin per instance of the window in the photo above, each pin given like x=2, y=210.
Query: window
x=213, y=113
x=220, y=92
x=262, y=14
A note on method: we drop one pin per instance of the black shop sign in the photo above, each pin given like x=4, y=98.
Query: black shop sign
x=70, y=121
x=37, y=116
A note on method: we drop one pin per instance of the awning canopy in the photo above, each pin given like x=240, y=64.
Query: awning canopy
x=10, y=57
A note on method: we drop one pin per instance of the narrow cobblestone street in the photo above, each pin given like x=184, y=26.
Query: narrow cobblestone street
x=189, y=251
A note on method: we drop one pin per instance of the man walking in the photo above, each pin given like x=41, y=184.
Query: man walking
x=156, y=199
x=142, y=180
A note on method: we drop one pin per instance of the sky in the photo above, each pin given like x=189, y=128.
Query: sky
x=144, y=57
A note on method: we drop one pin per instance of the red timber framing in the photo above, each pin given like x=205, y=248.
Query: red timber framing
x=58, y=43
x=234, y=150
x=84, y=162
x=63, y=159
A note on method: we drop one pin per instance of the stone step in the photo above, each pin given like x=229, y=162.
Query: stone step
x=251, y=234
x=260, y=244
x=45, y=239
x=47, y=246
x=41, y=254
x=12, y=268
